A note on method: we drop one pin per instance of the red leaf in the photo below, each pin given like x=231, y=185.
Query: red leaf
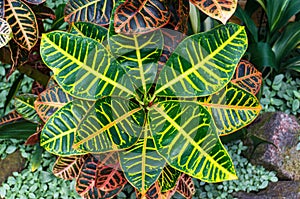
x=186, y=186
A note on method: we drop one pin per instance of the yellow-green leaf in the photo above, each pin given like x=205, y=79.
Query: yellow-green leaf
x=138, y=55
x=141, y=163
x=203, y=63
x=110, y=124
x=83, y=67
x=232, y=108
x=90, y=30
x=186, y=137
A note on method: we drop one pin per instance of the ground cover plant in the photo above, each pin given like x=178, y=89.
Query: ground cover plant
x=134, y=103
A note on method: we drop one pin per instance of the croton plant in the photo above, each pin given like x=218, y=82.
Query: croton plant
x=139, y=103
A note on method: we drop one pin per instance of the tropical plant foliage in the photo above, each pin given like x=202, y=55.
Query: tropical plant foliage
x=137, y=104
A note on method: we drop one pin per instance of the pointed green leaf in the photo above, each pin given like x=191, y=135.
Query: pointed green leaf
x=141, y=163
x=50, y=101
x=90, y=30
x=24, y=106
x=168, y=178
x=83, y=67
x=58, y=134
x=111, y=123
x=5, y=32
x=23, y=22
x=203, y=63
x=232, y=108
x=186, y=137
x=95, y=11
x=138, y=54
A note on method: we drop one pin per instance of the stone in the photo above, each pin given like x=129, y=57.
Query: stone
x=283, y=131
x=13, y=162
x=275, y=190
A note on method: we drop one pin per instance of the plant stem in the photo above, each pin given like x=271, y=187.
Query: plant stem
x=34, y=74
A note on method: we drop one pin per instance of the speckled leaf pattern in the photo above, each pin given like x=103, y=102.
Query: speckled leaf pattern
x=221, y=10
x=138, y=55
x=90, y=30
x=36, y=2
x=24, y=106
x=168, y=178
x=232, y=108
x=1, y=8
x=23, y=23
x=136, y=16
x=50, y=100
x=142, y=164
x=83, y=67
x=112, y=123
x=68, y=167
x=5, y=32
x=185, y=136
x=94, y=11
x=247, y=77
x=186, y=186
x=203, y=63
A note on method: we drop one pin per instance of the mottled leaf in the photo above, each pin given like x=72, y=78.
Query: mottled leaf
x=90, y=30
x=68, y=167
x=24, y=106
x=247, y=77
x=5, y=32
x=136, y=16
x=168, y=178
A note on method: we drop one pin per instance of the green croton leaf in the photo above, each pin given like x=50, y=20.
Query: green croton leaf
x=138, y=54
x=90, y=30
x=111, y=123
x=83, y=67
x=185, y=136
x=168, y=178
x=141, y=163
x=25, y=107
x=231, y=108
x=203, y=63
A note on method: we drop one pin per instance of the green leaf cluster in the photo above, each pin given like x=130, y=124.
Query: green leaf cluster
x=281, y=94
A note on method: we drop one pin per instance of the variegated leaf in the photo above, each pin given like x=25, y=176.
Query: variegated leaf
x=112, y=123
x=24, y=106
x=83, y=67
x=94, y=11
x=110, y=176
x=153, y=193
x=186, y=186
x=95, y=193
x=247, y=77
x=168, y=178
x=221, y=10
x=141, y=163
x=50, y=100
x=203, y=63
x=90, y=30
x=23, y=22
x=232, y=108
x=138, y=55
x=5, y=33
x=136, y=16
x=186, y=137
x=68, y=167
x=58, y=134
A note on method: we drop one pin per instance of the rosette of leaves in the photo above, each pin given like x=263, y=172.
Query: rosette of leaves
x=111, y=121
